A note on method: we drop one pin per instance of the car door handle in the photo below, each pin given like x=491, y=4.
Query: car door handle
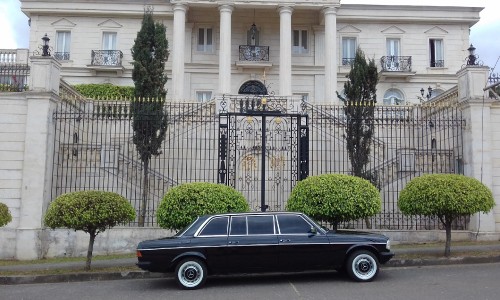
x=285, y=241
x=234, y=243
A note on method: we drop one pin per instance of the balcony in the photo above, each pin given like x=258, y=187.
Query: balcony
x=61, y=55
x=347, y=62
x=396, y=66
x=254, y=57
x=437, y=64
x=106, y=61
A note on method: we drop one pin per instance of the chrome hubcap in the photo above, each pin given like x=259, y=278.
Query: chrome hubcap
x=190, y=274
x=364, y=267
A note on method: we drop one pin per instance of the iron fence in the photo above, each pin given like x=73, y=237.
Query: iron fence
x=14, y=77
x=94, y=149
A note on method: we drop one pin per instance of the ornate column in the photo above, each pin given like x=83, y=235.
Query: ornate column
x=178, y=49
x=285, y=50
x=330, y=53
x=225, y=49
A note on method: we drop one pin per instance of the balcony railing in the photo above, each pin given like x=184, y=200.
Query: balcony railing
x=107, y=58
x=61, y=55
x=437, y=64
x=396, y=63
x=254, y=53
x=347, y=61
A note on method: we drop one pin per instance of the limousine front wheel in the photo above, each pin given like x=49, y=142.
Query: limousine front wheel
x=191, y=273
x=362, y=265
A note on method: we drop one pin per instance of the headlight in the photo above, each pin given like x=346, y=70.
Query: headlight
x=388, y=245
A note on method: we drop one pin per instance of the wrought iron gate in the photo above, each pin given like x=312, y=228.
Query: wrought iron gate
x=263, y=152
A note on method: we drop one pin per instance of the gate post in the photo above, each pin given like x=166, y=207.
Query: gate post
x=38, y=153
x=478, y=152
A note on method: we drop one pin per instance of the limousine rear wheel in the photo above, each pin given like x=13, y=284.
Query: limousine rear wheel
x=362, y=265
x=191, y=273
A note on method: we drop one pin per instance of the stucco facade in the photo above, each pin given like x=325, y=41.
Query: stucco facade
x=308, y=45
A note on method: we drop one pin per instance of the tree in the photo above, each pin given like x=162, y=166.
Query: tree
x=183, y=203
x=89, y=211
x=447, y=196
x=335, y=198
x=149, y=120
x=5, y=216
x=359, y=107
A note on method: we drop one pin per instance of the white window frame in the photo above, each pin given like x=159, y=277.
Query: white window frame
x=207, y=46
x=203, y=96
x=437, y=54
x=347, y=52
x=109, y=43
x=393, y=46
x=298, y=42
x=63, y=41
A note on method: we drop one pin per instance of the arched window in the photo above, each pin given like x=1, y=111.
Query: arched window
x=253, y=87
x=394, y=97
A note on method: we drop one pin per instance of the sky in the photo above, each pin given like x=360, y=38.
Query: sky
x=485, y=35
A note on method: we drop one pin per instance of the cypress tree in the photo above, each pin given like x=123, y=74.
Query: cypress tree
x=149, y=119
x=359, y=107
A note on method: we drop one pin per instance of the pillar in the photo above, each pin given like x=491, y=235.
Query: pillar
x=330, y=57
x=225, y=49
x=285, y=76
x=178, y=49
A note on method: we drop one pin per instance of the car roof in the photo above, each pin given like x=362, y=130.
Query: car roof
x=252, y=213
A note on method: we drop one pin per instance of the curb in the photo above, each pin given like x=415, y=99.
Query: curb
x=75, y=277
x=420, y=262
x=100, y=276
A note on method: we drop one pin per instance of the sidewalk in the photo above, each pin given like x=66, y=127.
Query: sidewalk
x=405, y=255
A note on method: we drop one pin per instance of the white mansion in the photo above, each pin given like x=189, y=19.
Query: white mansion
x=294, y=50
x=301, y=48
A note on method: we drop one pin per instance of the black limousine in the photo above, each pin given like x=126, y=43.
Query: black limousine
x=262, y=242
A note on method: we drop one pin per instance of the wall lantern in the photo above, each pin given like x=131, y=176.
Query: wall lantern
x=45, y=47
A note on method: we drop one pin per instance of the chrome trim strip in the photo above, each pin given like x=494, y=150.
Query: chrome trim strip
x=250, y=245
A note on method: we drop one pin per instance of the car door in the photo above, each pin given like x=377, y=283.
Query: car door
x=301, y=248
x=252, y=244
x=211, y=241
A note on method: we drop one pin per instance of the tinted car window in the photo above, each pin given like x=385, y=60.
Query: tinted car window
x=260, y=225
x=293, y=224
x=238, y=226
x=217, y=226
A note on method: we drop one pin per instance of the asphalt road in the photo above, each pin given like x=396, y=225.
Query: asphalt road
x=455, y=282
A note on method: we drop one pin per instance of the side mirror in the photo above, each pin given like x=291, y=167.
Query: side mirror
x=313, y=230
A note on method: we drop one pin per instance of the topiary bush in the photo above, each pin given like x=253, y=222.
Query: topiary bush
x=105, y=91
x=182, y=204
x=446, y=196
x=335, y=198
x=89, y=211
x=5, y=216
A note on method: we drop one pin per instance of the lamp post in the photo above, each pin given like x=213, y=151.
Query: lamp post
x=472, y=59
x=429, y=93
x=45, y=47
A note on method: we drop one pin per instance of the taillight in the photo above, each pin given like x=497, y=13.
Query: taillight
x=139, y=254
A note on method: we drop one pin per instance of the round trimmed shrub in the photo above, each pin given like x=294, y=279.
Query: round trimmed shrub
x=5, y=216
x=90, y=211
x=335, y=198
x=446, y=196
x=184, y=203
